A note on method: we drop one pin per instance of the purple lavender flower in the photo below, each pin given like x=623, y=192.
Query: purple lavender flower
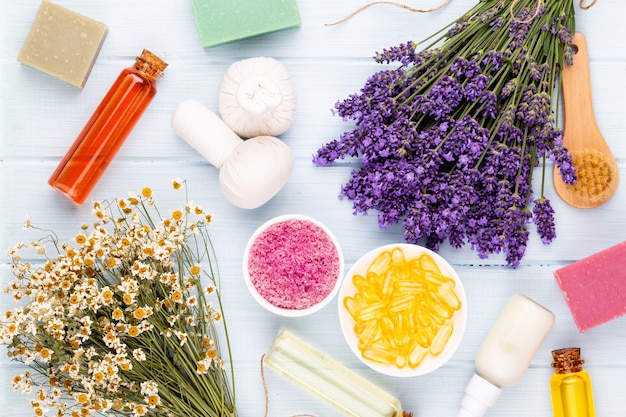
x=544, y=220
x=447, y=142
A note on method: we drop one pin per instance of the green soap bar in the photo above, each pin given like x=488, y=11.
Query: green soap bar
x=224, y=21
x=63, y=43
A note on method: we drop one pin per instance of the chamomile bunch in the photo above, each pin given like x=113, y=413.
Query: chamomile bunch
x=126, y=320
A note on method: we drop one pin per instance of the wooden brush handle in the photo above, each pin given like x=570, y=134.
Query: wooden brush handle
x=577, y=100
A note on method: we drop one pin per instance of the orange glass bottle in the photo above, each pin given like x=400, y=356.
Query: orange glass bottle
x=108, y=128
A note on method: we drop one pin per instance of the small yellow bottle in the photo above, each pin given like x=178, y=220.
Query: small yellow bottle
x=570, y=385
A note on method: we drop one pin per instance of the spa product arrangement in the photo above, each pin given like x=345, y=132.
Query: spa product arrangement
x=128, y=318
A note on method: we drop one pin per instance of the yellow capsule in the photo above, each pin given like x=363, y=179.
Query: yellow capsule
x=369, y=294
x=411, y=287
x=401, y=331
x=380, y=354
x=423, y=317
x=448, y=295
x=387, y=331
x=380, y=263
x=428, y=263
x=352, y=304
x=400, y=265
x=374, y=284
x=441, y=339
x=401, y=361
x=417, y=355
x=369, y=335
x=402, y=303
x=370, y=312
x=397, y=256
x=359, y=282
x=423, y=337
x=438, y=279
x=387, y=282
x=416, y=273
x=435, y=307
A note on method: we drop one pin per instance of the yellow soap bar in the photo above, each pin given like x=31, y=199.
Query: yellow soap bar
x=63, y=43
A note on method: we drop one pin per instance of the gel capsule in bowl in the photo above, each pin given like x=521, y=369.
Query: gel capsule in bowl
x=402, y=310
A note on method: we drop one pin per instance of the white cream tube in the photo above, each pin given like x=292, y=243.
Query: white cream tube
x=506, y=352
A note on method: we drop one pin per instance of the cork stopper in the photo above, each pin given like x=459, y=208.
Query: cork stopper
x=567, y=360
x=150, y=65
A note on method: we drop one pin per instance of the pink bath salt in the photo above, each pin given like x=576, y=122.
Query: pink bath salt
x=294, y=264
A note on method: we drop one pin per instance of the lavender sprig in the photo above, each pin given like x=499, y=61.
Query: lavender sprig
x=449, y=139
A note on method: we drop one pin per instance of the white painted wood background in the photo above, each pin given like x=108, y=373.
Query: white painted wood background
x=40, y=117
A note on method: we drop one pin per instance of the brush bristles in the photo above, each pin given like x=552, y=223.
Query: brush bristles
x=594, y=174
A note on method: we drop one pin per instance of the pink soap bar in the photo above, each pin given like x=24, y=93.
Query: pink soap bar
x=595, y=287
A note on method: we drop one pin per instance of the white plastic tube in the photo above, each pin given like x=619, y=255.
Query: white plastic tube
x=506, y=353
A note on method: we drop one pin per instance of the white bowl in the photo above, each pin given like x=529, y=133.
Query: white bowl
x=290, y=311
x=458, y=320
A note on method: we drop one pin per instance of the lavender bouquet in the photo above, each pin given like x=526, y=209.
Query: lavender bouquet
x=449, y=139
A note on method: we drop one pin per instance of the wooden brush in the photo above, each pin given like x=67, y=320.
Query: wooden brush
x=596, y=169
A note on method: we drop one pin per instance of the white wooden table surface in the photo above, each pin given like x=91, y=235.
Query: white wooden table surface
x=40, y=117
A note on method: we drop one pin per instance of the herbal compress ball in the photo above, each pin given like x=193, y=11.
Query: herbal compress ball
x=257, y=98
x=251, y=171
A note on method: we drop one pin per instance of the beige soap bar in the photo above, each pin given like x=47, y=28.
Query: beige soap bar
x=63, y=43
